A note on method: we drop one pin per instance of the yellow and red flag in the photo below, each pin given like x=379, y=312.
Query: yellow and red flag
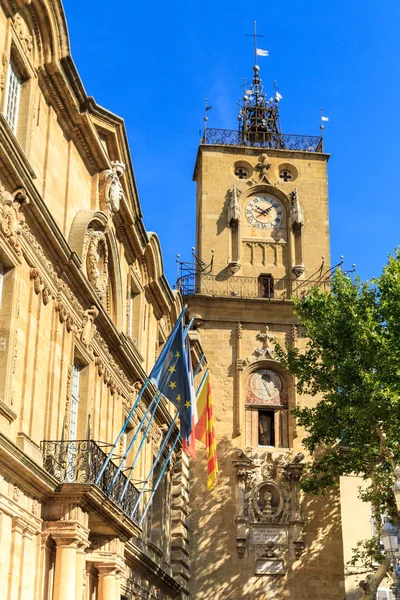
x=204, y=430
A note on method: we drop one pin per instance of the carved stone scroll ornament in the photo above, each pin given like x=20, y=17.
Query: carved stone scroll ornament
x=269, y=522
x=234, y=207
x=97, y=261
x=114, y=192
x=11, y=217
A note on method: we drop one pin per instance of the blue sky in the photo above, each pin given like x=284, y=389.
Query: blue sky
x=154, y=63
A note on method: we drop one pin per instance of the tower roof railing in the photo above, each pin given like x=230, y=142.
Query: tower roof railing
x=260, y=139
x=263, y=286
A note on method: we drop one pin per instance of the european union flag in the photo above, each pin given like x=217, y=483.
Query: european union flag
x=170, y=374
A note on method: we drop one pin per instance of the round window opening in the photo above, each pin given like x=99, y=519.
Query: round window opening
x=286, y=175
x=241, y=172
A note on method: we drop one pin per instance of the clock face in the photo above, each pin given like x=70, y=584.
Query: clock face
x=265, y=212
x=266, y=385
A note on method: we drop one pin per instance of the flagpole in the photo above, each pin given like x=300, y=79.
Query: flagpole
x=103, y=468
x=255, y=43
x=157, y=458
x=147, y=428
x=158, y=480
x=321, y=127
x=146, y=383
x=185, y=332
x=202, y=382
x=199, y=365
x=142, y=441
x=156, y=396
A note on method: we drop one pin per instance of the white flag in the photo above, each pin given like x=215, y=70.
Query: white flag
x=260, y=52
x=278, y=96
x=248, y=92
x=324, y=119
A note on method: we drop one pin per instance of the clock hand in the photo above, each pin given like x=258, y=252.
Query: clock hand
x=265, y=211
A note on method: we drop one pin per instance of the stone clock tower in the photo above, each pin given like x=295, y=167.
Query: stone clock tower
x=262, y=238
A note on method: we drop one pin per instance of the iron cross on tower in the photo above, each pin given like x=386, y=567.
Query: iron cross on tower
x=254, y=35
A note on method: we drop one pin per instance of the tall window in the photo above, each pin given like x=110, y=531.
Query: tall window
x=73, y=419
x=13, y=94
x=266, y=428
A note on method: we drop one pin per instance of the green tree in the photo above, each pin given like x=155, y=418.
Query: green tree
x=352, y=362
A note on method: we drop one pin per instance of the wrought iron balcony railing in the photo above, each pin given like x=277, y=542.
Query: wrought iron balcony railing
x=248, y=287
x=80, y=461
x=281, y=141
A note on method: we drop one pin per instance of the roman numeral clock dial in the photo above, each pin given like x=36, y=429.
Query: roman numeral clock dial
x=265, y=212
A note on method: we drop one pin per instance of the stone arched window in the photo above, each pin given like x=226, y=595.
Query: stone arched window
x=266, y=408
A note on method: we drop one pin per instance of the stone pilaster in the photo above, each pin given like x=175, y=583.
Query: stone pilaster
x=107, y=556
x=179, y=523
x=71, y=539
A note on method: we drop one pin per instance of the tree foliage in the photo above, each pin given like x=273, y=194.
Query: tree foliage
x=351, y=362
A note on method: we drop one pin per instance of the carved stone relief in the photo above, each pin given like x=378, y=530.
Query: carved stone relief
x=234, y=208
x=297, y=212
x=113, y=191
x=22, y=31
x=11, y=216
x=263, y=165
x=269, y=521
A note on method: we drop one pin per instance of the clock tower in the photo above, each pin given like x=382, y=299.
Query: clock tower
x=262, y=239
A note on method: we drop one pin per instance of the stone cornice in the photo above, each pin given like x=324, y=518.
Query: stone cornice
x=7, y=412
x=91, y=499
x=29, y=476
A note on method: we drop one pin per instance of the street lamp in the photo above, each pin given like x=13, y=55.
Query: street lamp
x=389, y=537
x=391, y=544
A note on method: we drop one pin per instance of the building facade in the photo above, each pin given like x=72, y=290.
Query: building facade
x=262, y=238
x=85, y=307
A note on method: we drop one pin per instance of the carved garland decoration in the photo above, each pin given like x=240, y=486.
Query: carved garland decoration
x=97, y=262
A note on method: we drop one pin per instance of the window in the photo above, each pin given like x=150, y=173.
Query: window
x=266, y=428
x=73, y=418
x=241, y=173
x=13, y=94
x=384, y=593
x=1, y=281
x=286, y=175
x=134, y=320
x=266, y=286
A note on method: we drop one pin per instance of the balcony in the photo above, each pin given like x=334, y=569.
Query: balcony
x=79, y=462
x=248, y=287
x=258, y=139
